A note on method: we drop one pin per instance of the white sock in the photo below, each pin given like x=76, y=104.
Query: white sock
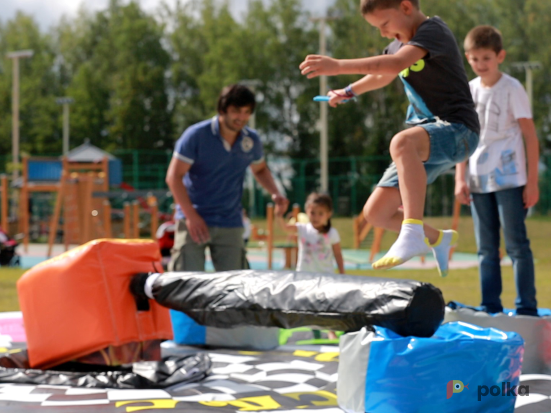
x=441, y=249
x=149, y=285
x=410, y=243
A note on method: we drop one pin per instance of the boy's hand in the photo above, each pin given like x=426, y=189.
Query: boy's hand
x=337, y=97
x=462, y=193
x=316, y=65
x=530, y=195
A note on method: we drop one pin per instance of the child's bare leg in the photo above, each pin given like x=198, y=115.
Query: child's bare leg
x=409, y=149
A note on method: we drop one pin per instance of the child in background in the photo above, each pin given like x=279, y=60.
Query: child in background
x=501, y=186
x=318, y=241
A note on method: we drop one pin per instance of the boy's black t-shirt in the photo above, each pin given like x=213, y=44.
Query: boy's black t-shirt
x=437, y=85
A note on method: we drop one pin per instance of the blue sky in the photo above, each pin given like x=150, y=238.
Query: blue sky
x=48, y=13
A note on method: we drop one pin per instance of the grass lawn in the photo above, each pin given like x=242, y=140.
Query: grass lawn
x=460, y=285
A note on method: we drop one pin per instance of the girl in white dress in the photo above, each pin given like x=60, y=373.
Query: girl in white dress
x=318, y=242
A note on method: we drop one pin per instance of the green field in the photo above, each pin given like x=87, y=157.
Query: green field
x=460, y=285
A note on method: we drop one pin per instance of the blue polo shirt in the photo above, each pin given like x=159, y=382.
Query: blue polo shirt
x=215, y=180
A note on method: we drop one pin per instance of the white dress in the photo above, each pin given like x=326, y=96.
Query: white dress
x=315, y=250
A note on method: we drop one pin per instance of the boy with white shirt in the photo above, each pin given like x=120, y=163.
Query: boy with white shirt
x=503, y=175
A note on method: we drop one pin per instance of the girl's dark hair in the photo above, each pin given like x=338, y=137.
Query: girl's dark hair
x=236, y=95
x=321, y=199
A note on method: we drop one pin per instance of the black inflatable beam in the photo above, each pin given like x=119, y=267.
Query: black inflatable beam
x=289, y=299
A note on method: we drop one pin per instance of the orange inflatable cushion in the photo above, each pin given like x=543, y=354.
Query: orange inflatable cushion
x=79, y=302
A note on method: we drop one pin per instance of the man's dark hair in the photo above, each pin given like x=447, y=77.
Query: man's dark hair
x=483, y=37
x=235, y=95
x=369, y=6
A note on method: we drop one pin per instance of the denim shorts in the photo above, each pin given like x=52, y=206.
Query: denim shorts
x=450, y=143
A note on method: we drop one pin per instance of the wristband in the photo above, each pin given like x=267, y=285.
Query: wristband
x=349, y=92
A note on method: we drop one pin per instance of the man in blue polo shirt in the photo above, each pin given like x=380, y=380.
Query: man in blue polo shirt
x=206, y=179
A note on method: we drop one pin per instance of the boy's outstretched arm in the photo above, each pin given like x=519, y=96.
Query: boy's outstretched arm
x=365, y=84
x=392, y=64
x=531, y=192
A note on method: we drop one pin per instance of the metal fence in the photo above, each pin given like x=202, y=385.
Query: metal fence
x=351, y=181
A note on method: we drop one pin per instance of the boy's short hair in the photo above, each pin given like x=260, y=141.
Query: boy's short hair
x=236, y=95
x=483, y=37
x=369, y=6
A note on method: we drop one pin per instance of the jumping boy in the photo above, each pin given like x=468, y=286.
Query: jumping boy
x=500, y=187
x=444, y=124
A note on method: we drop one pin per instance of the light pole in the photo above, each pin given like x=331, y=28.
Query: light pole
x=251, y=84
x=15, y=56
x=528, y=67
x=65, y=101
x=324, y=161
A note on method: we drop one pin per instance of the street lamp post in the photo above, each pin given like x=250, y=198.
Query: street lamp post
x=528, y=67
x=324, y=138
x=65, y=101
x=15, y=56
x=252, y=84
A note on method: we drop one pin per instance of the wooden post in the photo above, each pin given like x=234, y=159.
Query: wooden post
x=126, y=223
x=24, y=200
x=376, y=247
x=154, y=208
x=107, y=219
x=136, y=216
x=55, y=218
x=5, y=198
x=270, y=230
x=87, y=207
x=356, y=231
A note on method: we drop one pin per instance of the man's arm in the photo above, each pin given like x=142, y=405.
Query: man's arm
x=531, y=190
x=197, y=227
x=392, y=64
x=264, y=177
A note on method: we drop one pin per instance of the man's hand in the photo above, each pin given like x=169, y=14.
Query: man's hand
x=530, y=195
x=281, y=204
x=462, y=193
x=197, y=228
x=316, y=65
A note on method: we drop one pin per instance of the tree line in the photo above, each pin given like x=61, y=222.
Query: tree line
x=138, y=79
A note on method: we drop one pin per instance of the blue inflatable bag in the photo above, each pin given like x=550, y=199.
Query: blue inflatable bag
x=461, y=368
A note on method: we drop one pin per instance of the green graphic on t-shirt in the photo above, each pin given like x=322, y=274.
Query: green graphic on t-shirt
x=416, y=67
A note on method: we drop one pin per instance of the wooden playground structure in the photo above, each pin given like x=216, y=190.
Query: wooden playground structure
x=288, y=244
x=81, y=203
x=82, y=211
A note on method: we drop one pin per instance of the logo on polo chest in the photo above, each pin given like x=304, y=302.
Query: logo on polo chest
x=247, y=144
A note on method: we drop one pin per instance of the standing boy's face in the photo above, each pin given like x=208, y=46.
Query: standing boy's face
x=485, y=62
x=394, y=23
